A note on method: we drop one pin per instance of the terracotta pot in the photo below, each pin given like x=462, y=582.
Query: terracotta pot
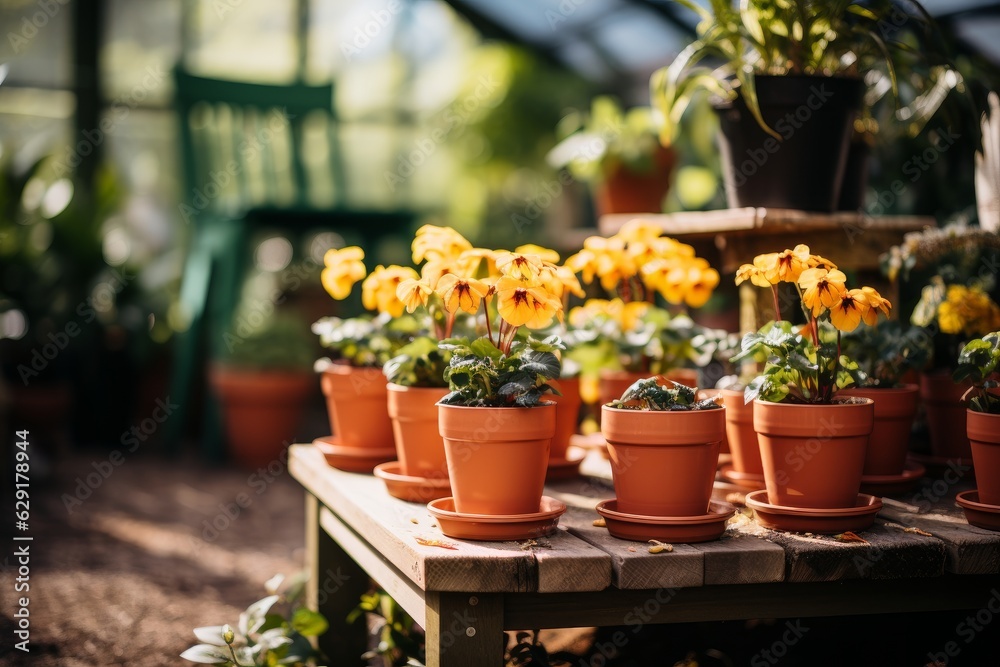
x=984, y=434
x=260, y=411
x=356, y=399
x=626, y=191
x=741, y=435
x=946, y=413
x=567, y=414
x=497, y=457
x=663, y=463
x=714, y=393
x=889, y=442
x=813, y=455
x=414, y=415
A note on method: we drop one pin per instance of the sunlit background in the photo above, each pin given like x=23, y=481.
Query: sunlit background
x=440, y=112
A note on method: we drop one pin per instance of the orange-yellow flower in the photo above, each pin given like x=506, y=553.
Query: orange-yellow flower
x=523, y=303
x=784, y=266
x=343, y=268
x=821, y=288
x=413, y=293
x=544, y=254
x=476, y=263
x=433, y=242
x=876, y=303
x=753, y=274
x=519, y=267
x=820, y=262
x=701, y=282
x=848, y=311
x=378, y=291
x=639, y=230
x=558, y=280
x=461, y=293
x=433, y=270
x=629, y=314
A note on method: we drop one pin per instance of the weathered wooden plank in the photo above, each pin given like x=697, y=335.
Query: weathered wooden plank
x=464, y=630
x=888, y=554
x=968, y=549
x=740, y=558
x=632, y=564
x=567, y=563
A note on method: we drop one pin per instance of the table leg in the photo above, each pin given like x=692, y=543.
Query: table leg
x=336, y=584
x=464, y=630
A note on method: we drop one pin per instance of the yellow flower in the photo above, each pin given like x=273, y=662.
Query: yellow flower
x=590, y=310
x=558, y=280
x=569, y=281
x=848, y=311
x=519, y=267
x=701, y=282
x=461, y=293
x=435, y=269
x=639, y=230
x=524, y=303
x=343, y=268
x=378, y=291
x=629, y=314
x=784, y=266
x=821, y=288
x=820, y=262
x=753, y=274
x=968, y=311
x=544, y=254
x=413, y=293
x=476, y=263
x=584, y=263
x=877, y=303
x=433, y=242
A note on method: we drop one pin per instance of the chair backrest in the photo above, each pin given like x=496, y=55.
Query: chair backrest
x=249, y=145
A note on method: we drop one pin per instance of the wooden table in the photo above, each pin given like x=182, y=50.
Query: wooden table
x=581, y=576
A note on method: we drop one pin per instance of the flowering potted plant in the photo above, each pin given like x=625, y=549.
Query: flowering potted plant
x=352, y=382
x=812, y=443
x=664, y=447
x=619, y=153
x=948, y=274
x=630, y=336
x=496, y=428
x=979, y=362
x=885, y=354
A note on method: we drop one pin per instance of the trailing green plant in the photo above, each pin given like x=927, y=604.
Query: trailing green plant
x=660, y=394
x=263, y=637
x=480, y=375
x=594, y=145
x=887, y=352
x=782, y=37
x=979, y=362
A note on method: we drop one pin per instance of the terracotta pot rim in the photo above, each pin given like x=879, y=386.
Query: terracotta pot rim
x=543, y=404
x=868, y=401
x=906, y=387
x=402, y=388
x=607, y=407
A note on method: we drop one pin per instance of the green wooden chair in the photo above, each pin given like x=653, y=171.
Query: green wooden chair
x=254, y=156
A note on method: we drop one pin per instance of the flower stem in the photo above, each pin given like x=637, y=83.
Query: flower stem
x=489, y=330
x=777, y=308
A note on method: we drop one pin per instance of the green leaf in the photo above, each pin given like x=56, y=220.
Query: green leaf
x=309, y=623
x=482, y=347
x=206, y=654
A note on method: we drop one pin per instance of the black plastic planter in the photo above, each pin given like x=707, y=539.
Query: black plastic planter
x=804, y=170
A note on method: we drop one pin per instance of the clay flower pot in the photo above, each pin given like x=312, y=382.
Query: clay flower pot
x=889, y=442
x=260, y=410
x=662, y=462
x=946, y=413
x=414, y=415
x=813, y=455
x=984, y=435
x=741, y=435
x=567, y=414
x=625, y=191
x=497, y=457
x=356, y=399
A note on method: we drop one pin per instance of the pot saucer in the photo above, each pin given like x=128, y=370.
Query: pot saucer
x=977, y=513
x=686, y=529
x=496, y=527
x=745, y=480
x=892, y=485
x=814, y=520
x=410, y=488
x=352, y=459
x=560, y=469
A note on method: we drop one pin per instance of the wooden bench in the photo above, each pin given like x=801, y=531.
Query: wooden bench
x=466, y=595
